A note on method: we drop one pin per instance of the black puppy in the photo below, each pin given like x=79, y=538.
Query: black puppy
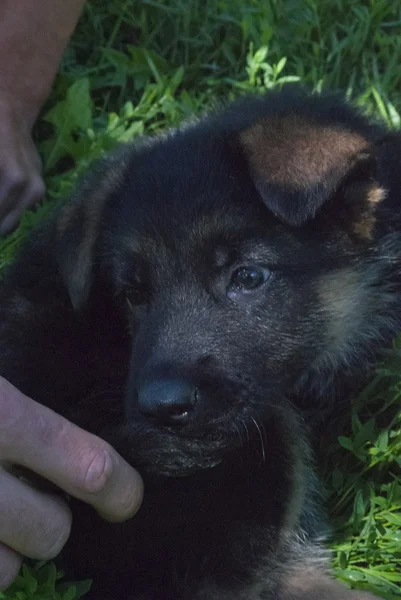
x=195, y=297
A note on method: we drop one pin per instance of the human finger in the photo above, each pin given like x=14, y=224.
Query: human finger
x=10, y=563
x=83, y=465
x=25, y=198
x=32, y=523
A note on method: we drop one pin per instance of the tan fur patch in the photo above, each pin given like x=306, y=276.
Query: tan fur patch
x=365, y=223
x=298, y=153
x=365, y=227
x=376, y=195
x=342, y=296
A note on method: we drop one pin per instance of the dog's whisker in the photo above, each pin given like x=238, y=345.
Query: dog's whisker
x=261, y=439
x=246, y=431
x=262, y=429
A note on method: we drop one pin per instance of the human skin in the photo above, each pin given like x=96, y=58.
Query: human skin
x=33, y=36
x=37, y=524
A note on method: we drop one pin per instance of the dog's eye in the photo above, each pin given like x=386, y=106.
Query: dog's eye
x=135, y=296
x=248, y=278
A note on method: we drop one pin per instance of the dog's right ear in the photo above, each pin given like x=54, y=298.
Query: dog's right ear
x=79, y=224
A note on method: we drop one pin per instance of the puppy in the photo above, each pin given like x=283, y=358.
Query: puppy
x=198, y=302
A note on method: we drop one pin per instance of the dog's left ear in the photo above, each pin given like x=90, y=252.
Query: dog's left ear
x=79, y=223
x=297, y=164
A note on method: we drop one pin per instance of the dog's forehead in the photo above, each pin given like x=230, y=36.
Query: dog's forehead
x=201, y=239
x=186, y=190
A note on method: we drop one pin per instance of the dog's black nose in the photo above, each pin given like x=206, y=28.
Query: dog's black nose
x=169, y=401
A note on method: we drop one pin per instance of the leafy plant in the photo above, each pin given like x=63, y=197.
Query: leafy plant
x=42, y=582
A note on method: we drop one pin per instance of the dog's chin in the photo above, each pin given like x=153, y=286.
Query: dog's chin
x=177, y=466
x=160, y=453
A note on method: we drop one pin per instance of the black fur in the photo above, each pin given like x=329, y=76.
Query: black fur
x=130, y=288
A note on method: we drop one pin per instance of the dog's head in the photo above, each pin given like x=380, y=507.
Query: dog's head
x=251, y=254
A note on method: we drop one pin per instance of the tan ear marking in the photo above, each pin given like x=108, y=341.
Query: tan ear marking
x=365, y=227
x=297, y=153
x=376, y=195
x=365, y=223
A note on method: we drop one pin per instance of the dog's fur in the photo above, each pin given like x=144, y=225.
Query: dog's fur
x=136, y=282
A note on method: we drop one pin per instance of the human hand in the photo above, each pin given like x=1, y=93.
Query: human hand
x=36, y=524
x=21, y=183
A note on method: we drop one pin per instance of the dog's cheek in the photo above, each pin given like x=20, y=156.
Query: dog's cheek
x=281, y=338
x=348, y=300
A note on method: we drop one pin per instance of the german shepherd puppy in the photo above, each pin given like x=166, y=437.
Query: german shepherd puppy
x=200, y=294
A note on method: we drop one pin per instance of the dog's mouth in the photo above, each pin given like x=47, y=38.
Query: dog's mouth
x=162, y=452
x=202, y=444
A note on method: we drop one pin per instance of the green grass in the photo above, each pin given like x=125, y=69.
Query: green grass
x=139, y=67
